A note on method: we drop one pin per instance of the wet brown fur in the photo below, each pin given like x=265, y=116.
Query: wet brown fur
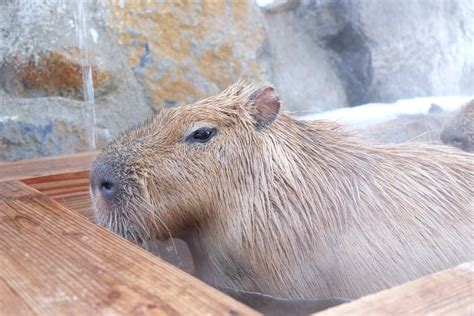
x=293, y=209
x=459, y=130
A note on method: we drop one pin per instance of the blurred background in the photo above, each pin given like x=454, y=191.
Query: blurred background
x=74, y=74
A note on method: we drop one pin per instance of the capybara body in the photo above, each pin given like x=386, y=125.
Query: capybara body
x=459, y=130
x=419, y=128
x=287, y=208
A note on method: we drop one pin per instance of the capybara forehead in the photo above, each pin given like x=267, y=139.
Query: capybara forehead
x=168, y=126
x=178, y=118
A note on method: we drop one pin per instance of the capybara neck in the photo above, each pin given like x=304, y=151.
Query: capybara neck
x=306, y=189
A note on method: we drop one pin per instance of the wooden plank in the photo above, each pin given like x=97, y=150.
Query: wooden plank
x=61, y=185
x=59, y=263
x=32, y=168
x=11, y=303
x=450, y=292
x=80, y=203
x=69, y=189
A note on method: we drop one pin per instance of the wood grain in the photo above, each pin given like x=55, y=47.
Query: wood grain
x=45, y=166
x=69, y=189
x=65, y=178
x=80, y=203
x=449, y=292
x=61, y=185
x=55, y=262
x=10, y=301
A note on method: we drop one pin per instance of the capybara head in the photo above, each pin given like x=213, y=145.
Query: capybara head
x=168, y=174
x=459, y=130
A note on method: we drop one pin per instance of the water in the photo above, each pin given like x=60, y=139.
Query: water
x=86, y=62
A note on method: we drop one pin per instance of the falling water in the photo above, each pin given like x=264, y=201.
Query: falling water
x=88, y=84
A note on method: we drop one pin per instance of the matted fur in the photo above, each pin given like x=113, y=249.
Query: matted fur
x=295, y=209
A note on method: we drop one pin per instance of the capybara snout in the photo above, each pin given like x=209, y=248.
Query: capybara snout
x=105, y=182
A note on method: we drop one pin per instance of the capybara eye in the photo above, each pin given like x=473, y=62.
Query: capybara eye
x=106, y=186
x=201, y=135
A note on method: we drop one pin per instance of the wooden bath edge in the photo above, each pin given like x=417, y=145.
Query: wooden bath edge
x=58, y=186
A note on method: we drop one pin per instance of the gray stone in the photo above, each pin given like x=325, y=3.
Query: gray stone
x=54, y=126
x=380, y=51
x=49, y=116
x=303, y=73
x=182, y=51
x=320, y=55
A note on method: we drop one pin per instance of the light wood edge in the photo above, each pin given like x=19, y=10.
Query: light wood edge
x=53, y=165
x=412, y=293
x=246, y=309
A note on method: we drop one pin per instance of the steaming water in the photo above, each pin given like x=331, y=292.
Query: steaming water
x=88, y=84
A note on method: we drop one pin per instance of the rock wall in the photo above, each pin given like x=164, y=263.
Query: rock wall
x=42, y=108
x=185, y=50
x=354, y=52
x=141, y=56
x=146, y=55
x=303, y=72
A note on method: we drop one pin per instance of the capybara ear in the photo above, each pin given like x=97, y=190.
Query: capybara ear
x=264, y=106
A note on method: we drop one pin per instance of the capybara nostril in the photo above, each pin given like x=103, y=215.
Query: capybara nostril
x=103, y=182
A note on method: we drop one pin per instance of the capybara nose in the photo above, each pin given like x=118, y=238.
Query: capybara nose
x=104, y=183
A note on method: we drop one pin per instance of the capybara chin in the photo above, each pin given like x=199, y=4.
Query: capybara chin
x=288, y=208
x=459, y=130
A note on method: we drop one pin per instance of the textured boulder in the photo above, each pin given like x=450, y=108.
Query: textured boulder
x=51, y=74
x=22, y=140
x=43, y=63
x=303, y=73
x=380, y=51
x=320, y=55
x=54, y=125
x=185, y=50
x=138, y=55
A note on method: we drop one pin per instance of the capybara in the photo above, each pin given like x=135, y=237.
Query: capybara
x=419, y=128
x=293, y=209
x=459, y=130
